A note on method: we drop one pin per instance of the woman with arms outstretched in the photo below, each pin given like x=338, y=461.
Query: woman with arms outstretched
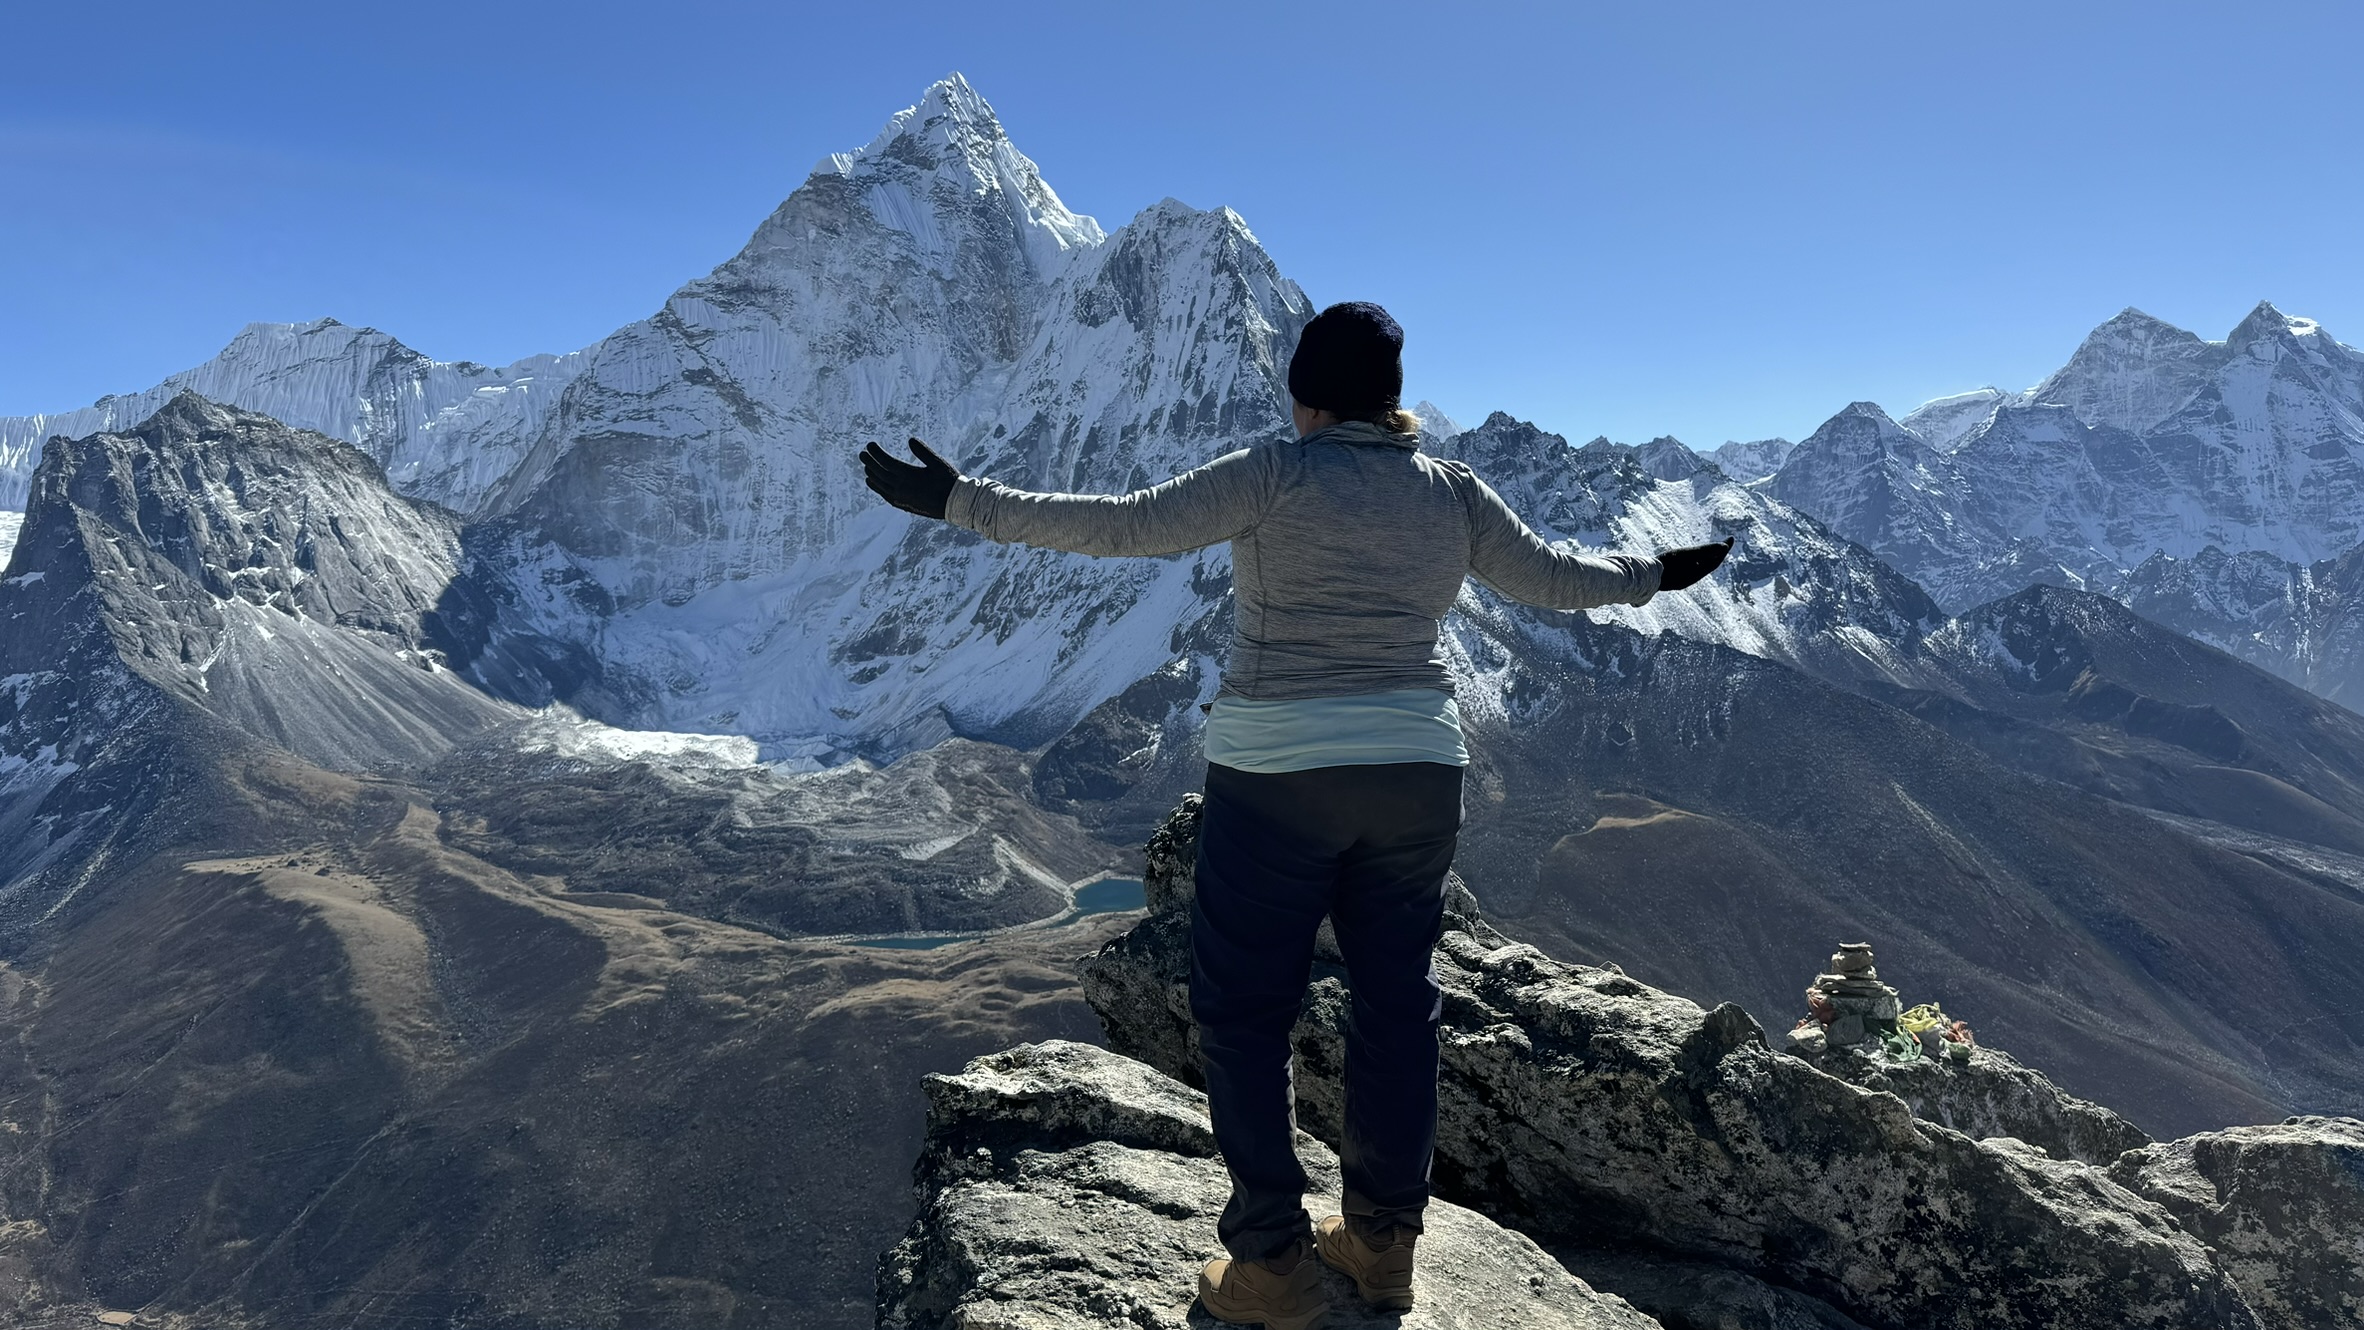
x=1334, y=761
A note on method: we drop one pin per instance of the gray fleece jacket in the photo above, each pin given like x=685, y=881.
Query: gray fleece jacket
x=1348, y=546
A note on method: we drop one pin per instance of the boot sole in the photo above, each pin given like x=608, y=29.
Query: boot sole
x=1269, y=1320
x=1311, y=1320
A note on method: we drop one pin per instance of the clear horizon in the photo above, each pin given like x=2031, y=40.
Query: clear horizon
x=1719, y=224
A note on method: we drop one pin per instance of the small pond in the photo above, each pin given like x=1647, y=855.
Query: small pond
x=1109, y=895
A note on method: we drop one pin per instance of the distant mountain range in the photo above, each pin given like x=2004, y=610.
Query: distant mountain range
x=596, y=653
x=2215, y=486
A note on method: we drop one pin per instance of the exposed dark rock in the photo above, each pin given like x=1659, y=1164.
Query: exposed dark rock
x=1064, y=1187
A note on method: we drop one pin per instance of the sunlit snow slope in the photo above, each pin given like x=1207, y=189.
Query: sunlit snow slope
x=444, y=430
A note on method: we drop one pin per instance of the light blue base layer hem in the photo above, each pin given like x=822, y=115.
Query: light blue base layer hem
x=1367, y=729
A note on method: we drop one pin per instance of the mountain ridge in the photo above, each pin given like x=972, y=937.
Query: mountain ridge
x=2149, y=467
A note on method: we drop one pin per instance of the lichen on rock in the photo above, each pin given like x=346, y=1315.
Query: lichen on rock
x=2281, y=1205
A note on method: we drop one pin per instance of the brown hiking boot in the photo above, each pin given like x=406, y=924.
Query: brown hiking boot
x=1381, y=1270
x=1282, y=1292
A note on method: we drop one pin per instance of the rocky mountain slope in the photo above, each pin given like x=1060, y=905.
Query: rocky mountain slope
x=306, y=1060
x=2304, y=622
x=1752, y=460
x=215, y=582
x=209, y=577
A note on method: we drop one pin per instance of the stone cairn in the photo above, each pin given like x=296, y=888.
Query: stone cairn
x=1851, y=1008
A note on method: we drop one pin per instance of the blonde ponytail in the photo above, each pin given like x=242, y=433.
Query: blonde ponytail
x=1393, y=419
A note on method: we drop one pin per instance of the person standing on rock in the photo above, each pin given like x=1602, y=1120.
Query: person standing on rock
x=1334, y=763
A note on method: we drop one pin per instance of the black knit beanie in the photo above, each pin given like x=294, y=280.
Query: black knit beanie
x=1350, y=360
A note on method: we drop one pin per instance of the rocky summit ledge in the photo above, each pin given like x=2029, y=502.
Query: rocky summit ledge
x=1673, y=1157
x=1064, y=1187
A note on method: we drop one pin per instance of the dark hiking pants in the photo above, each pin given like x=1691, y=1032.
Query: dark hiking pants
x=1367, y=846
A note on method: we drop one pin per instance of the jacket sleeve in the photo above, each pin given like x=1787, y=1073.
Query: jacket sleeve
x=1507, y=555
x=1213, y=503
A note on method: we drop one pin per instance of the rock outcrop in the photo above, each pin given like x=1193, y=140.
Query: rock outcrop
x=2283, y=1207
x=1587, y=1109
x=1993, y=1094
x=1065, y=1187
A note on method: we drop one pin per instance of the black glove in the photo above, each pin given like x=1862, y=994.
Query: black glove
x=1686, y=565
x=922, y=489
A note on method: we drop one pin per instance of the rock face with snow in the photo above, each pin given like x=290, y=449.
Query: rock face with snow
x=209, y=575
x=445, y=431
x=1066, y=1187
x=1943, y=422
x=1753, y=460
x=2304, y=622
x=2151, y=443
x=1881, y=486
x=1434, y=422
x=1791, y=590
x=1586, y=1108
x=695, y=513
x=2133, y=372
x=227, y=554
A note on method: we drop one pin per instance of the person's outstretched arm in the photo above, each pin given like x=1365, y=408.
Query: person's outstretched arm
x=1213, y=503
x=1507, y=555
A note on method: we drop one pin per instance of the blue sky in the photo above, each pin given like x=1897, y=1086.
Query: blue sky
x=1709, y=220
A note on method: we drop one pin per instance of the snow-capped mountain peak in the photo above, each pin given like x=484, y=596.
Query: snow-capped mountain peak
x=2132, y=372
x=2266, y=322
x=1751, y=459
x=951, y=140
x=1943, y=422
x=2211, y=483
x=1434, y=422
